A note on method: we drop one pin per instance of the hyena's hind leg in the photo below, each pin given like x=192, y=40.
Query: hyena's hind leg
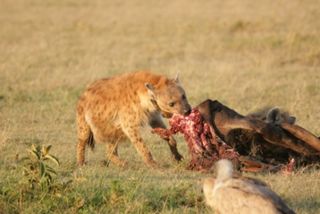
x=112, y=154
x=85, y=137
x=158, y=123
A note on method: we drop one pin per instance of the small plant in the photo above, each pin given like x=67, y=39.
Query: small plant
x=36, y=168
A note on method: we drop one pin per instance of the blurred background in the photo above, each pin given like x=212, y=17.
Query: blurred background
x=247, y=54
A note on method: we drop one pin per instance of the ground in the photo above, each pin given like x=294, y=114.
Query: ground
x=247, y=54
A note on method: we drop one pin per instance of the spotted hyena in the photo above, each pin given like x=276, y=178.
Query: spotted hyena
x=115, y=108
x=273, y=115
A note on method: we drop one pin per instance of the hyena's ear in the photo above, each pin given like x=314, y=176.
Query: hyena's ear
x=273, y=115
x=291, y=119
x=176, y=79
x=151, y=90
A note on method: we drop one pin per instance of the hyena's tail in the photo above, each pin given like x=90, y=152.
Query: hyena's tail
x=90, y=141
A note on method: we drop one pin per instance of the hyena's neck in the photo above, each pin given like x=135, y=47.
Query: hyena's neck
x=147, y=104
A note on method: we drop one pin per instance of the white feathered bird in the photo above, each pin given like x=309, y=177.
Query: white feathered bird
x=229, y=195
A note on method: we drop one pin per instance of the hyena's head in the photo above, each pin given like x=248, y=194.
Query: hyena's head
x=273, y=115
x=169, y=97
x=277, y=116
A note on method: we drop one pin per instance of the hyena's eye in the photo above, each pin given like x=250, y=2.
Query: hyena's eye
x=171, y=104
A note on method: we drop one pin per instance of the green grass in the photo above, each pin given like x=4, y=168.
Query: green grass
x=247, y=54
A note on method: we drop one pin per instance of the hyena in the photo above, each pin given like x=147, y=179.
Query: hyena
x=115, y=108
x=273, y=115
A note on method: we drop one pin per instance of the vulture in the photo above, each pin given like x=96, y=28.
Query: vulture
x=228, y=194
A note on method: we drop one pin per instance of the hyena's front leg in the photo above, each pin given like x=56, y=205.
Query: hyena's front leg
x=158, y=123
x=133, y=134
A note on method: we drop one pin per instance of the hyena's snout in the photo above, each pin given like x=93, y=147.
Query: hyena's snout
x=184, y=108
x=187, y=110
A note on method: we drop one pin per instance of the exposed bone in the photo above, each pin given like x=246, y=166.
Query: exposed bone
x=303, y=134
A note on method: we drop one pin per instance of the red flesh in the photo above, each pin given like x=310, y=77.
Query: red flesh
x=204, y=145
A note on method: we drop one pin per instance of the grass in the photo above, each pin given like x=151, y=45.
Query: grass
x=247, y=54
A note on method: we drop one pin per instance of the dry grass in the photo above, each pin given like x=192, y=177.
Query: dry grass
x=247, y=54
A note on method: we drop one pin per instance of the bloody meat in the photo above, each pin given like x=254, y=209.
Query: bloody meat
x=205, y=147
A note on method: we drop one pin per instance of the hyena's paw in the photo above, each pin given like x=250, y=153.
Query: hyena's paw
x=153, y=164
x=81, y=163
x=117, y=161
x=178, y=157
x=122, y=164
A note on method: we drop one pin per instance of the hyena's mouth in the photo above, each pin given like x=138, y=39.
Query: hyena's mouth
x=166, y=114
